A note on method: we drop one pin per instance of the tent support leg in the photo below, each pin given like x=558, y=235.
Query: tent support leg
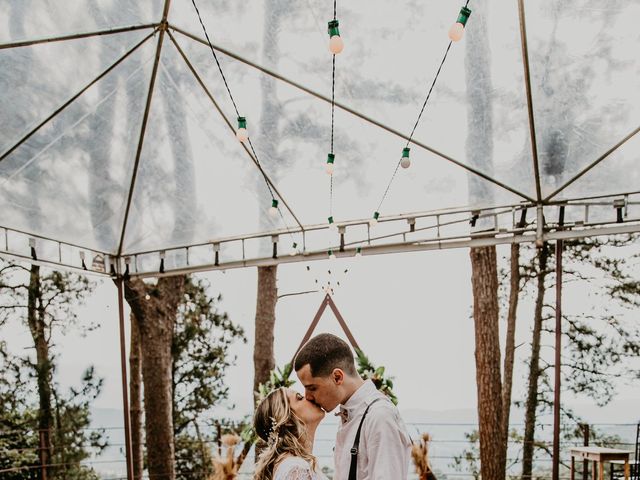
x=125, y=386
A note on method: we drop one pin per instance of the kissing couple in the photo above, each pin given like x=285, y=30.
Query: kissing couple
x=372, y=442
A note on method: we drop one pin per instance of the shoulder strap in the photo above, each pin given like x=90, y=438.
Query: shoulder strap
x=353, y=468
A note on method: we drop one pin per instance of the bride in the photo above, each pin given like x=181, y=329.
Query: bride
x=287, y=422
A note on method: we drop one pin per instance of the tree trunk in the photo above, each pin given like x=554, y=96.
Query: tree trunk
x=484, y=280
x=156, y=317
x=263, y=358
x=534, y=369
x=35, y=319
x=509, y=350
x=135, y=399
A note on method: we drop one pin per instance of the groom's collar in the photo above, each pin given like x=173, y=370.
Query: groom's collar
x=358, y=401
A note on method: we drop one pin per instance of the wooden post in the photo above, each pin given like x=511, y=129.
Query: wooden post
x=585, y=463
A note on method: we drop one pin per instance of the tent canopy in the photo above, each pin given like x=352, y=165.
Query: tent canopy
x=118, y=148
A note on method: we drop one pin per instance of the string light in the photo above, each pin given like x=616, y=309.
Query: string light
x=332, y=226
x=374, y=220
x=358, y=252
x=457, y=29
x=294, y=249
x=406, y=161
x=242, y=134
x=273, y=211
x=329, y=167
x=336, y=45
x=332, y=256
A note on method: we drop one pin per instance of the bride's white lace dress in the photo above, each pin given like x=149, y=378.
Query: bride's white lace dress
x=296, y=468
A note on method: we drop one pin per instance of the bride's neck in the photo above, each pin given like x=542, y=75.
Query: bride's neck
x=311, y=434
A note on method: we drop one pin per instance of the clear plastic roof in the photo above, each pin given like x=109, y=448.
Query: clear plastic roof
x=105, y=149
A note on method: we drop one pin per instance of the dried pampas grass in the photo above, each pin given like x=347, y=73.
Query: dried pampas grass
x=420, y=455
x=226, y=468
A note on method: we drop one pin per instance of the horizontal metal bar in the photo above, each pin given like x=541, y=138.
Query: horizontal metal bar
x=436, y=244
x=76, y=36
x=346, y=223
x=50, y=263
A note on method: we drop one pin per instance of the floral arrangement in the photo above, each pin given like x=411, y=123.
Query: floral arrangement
x=376, y=374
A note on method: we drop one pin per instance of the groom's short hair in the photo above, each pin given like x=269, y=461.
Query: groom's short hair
x=323, y=353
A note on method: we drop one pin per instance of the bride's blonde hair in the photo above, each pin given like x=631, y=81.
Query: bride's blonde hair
x=281, y=433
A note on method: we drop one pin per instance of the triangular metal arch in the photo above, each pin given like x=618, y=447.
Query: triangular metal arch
x=327, y=301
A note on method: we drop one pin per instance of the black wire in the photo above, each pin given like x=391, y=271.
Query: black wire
x=335, y=6
x=333, y=97
x=215, y=57
x=429, y=94
x=255, y=155
x=384, y=196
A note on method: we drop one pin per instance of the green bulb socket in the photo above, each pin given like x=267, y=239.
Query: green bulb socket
x=331, y=158
x=333, y=28
x=463, y=16
x=330, y=220
x=405, y=152
x=330, y=252
x=376, y=215
x=242, y=122
x=295, y=245
x=359, y=250
x=274, y=203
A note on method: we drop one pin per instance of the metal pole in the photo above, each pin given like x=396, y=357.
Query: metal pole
x=556, y=396
x=43, y=455
x=125, y=384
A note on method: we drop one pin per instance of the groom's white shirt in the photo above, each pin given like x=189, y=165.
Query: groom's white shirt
x=385, y=445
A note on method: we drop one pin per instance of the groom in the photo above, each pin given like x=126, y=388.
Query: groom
x=372, y=441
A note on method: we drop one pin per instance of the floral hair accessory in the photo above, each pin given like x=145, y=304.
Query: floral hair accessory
x=274, y=430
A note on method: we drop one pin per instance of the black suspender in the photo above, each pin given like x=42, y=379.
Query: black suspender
x=353, y=469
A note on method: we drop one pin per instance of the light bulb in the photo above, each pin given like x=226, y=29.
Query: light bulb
x=457, y=29
x=329, y=168
x=405, y=162
x=329, y=165
x=273, y=211
x=332, y=256
x=294, y=249
x=147, y=297
x=374, y=220
x=358, y=252
x=456, y=32
x=336, y=44
x=242, y=134
x=332, y=226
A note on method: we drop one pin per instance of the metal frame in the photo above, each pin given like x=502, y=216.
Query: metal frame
x=536, y=231
x=431, y=230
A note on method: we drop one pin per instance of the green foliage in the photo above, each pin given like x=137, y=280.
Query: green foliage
x=469, y=460
x=203, y=337
x=376, y=374
x=277, y=378
x=58, y=296
x=598, y=341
